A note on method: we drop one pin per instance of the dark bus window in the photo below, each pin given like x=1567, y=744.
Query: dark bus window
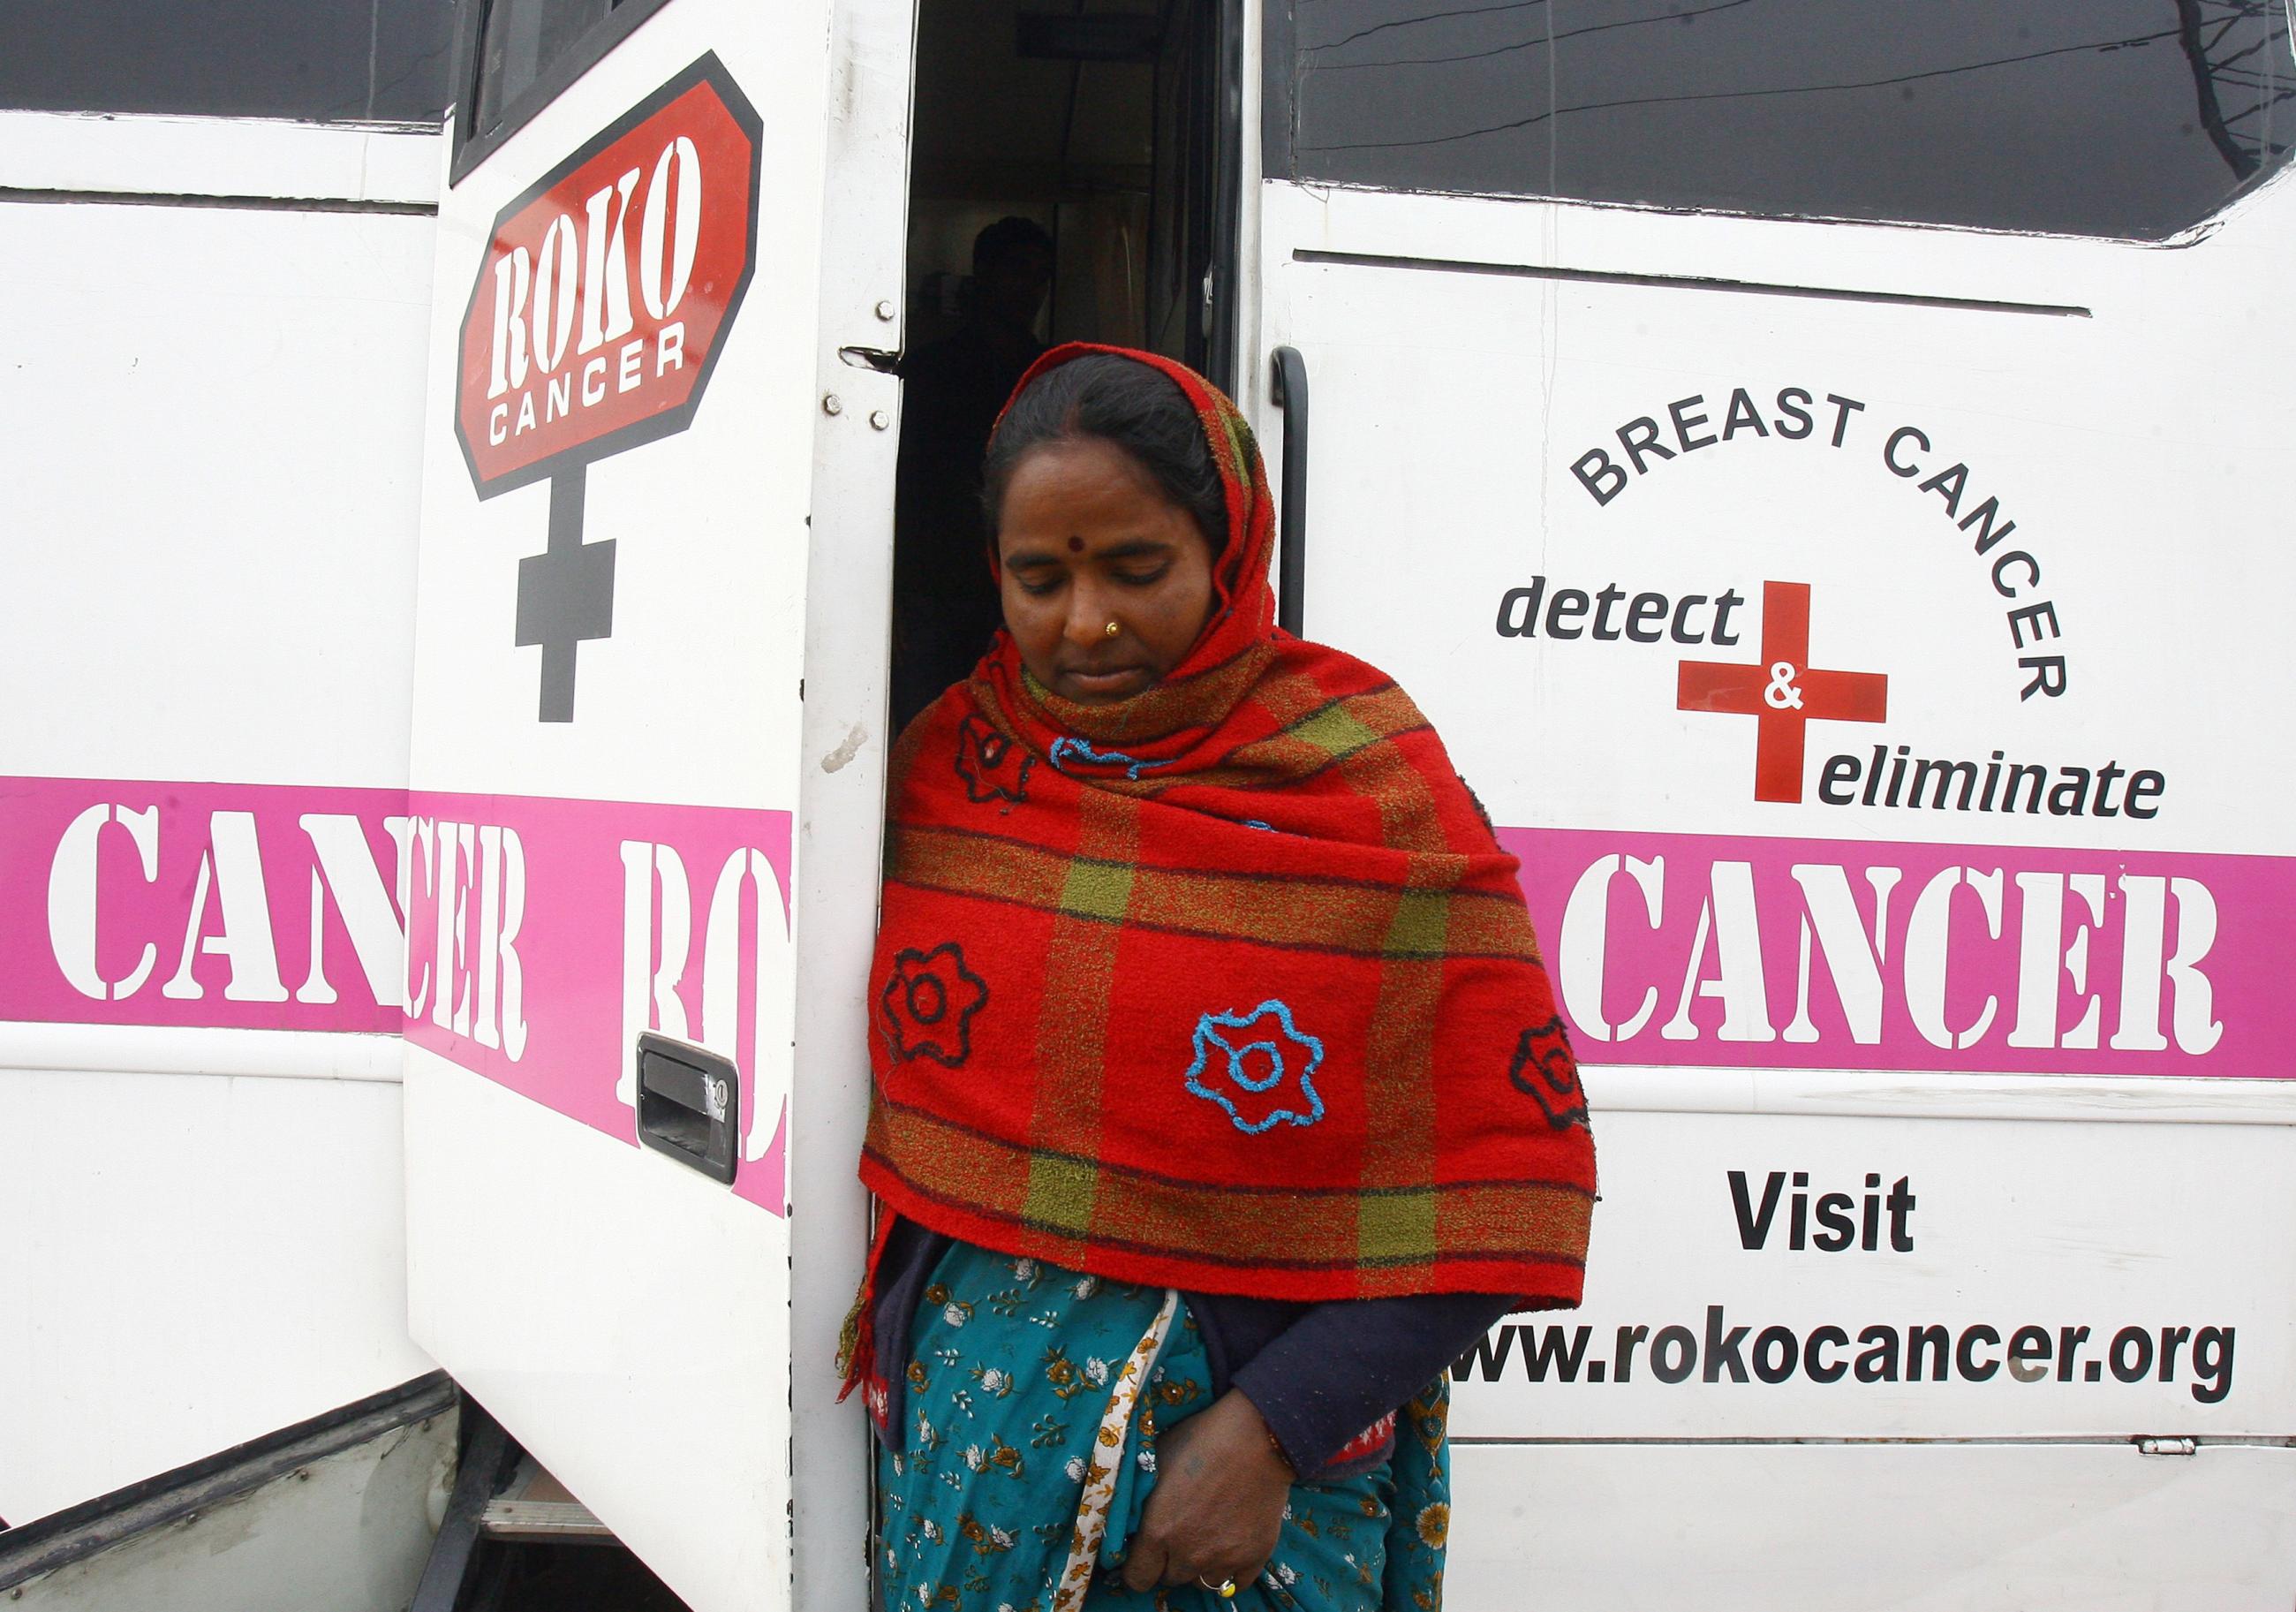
x=527, y=52
x=521, y=40
x=325, y=61
x=2121, y=117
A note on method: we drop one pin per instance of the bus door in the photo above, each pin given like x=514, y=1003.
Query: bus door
x=640, y=441
x=1806, y=460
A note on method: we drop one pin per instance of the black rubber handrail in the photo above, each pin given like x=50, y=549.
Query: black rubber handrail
x=1291, y=396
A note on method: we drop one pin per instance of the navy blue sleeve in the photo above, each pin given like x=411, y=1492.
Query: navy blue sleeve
x=912, y=1253
x=1343, y=1366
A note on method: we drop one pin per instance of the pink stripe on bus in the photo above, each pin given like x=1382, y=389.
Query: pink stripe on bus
x=1835, y=954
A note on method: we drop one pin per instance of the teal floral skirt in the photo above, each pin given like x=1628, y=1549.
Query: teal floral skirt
x=1028, y=1451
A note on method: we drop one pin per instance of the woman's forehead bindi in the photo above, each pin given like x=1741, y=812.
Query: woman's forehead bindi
x=1076, y=545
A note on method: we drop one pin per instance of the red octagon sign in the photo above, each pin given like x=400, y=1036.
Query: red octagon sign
x=608, y=288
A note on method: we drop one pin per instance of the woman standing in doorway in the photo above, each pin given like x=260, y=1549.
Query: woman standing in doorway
x=1220, y=1096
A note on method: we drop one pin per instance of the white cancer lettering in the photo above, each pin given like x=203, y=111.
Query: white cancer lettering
x=1994, y=966
x=747, y=921
x=580, y=272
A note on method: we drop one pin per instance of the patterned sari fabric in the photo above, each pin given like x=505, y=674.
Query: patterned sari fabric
x=1225, y=987
x=1036, y=1400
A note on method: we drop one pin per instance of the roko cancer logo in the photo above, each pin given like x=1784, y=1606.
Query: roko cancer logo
x=597, y=309
x=597, y=314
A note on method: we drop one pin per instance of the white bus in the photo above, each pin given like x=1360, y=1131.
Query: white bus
x=1804, y=457
x=218, y=222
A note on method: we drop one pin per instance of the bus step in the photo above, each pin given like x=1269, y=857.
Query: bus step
x=534, y=1508
x=514, y=1539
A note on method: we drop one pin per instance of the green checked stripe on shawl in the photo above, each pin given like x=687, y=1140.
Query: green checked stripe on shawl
x=1056, y=1199
x=1307, y=913
x=1226, y=986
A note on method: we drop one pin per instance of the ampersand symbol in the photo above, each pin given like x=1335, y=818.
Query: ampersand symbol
x=1782, y=694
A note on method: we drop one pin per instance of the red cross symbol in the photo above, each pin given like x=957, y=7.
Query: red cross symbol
x=1782, y=691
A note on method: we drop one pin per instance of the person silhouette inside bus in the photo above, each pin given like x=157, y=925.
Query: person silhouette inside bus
x=945, y=605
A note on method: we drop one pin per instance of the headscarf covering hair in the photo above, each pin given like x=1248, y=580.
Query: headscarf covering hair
x=1110, y=397
x=1226, y=986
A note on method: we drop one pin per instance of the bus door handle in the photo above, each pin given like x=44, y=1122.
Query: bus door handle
x=689, y=1104
x=1291, y=396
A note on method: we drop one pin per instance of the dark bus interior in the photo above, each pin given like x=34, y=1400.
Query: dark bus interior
x=1072, y=178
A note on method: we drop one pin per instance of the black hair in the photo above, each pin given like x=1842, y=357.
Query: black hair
x=1134, y=406
x=1006, y=239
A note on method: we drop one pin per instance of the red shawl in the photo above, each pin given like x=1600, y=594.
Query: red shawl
x=1226, y=986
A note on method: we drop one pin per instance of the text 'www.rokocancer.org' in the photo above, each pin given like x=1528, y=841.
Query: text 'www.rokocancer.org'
x=1721, y=1353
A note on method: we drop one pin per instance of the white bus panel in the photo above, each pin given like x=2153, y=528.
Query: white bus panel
x=206, y=623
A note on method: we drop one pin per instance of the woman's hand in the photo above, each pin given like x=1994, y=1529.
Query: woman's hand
x=1217, y=1508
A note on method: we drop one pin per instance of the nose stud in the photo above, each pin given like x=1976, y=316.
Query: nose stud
x=1113, y=629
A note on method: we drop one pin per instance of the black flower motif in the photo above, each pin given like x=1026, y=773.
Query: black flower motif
x=929, y=1001
x=992, y=767
x=1544, y=1068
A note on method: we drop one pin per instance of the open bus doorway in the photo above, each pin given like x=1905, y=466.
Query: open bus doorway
x=1072, y=178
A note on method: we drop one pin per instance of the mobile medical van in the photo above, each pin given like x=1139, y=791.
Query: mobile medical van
x=1820, y=466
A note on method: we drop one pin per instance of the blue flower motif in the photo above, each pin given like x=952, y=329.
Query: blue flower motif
x=1063, y=749
x=1284, y=1048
